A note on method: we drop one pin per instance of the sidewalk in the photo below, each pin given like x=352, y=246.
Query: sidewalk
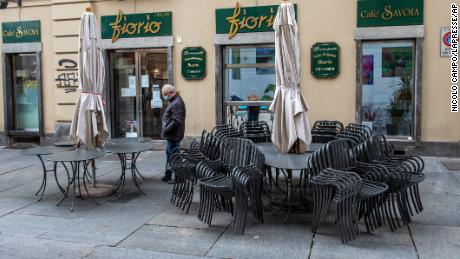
x=138, y=226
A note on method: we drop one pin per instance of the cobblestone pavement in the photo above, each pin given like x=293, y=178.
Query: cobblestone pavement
x=138, y=226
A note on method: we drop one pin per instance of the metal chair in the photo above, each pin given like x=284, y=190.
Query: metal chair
x=216, y=185
x=257, y=131
x=325, y=131
x=405, y=174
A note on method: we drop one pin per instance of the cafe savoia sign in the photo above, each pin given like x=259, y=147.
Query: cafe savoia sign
x=136, y=25
x=372, y=13
x=231, y=21
x=21, y=32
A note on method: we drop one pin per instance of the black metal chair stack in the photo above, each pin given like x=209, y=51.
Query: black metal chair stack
x=405, y=174
x=343, y=188
x=356, y=132
x=257, y=131
x=217, y=186
x=339, y=155
x=184, y=163
x=324, y=131
x=248, y=191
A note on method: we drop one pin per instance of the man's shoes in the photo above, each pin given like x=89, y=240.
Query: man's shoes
x=166, y=178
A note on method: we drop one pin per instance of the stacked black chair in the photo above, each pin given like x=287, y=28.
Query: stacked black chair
x=356, y=133
x=247, y=182
x=339, y=154
x=257, y=131
x=184, y=163
x=343, y=188
x=405, y=174
x=216, y=185
x=325, y=131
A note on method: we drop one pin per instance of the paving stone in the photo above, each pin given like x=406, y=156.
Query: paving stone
x=174, y=240
x=439, y=209
x=265, y=241
x=433, y=164
x=107, y=225
x=175, y=217
x=157, y=193
x=28, y=225
x=440, y=183
x=9, y=205
x=358, y=250
x=436, y=241
x=31, y=248
x=327, y=232
x=124, y=253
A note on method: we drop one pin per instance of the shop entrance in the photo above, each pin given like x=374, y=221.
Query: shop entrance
x=137, y=77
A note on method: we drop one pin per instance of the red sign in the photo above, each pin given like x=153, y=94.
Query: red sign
x=446, y=40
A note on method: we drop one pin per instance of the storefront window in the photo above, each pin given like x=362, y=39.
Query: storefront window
x=249, y=77
x=388, y=88
x=26, y=92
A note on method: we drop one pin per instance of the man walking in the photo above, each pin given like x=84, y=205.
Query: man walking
x=173, y=125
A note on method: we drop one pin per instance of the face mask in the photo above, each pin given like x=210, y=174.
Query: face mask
x=165, y=97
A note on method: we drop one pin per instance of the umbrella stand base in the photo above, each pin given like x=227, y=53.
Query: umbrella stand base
x=99, y=191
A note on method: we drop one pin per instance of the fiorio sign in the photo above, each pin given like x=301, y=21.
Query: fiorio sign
x=20, y=32
x=325, y=60
x=232, y=21
x=136, y=25
x=374, y=13
x=193, y=63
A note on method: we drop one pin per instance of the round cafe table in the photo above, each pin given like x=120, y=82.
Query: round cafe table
x=78, y=158
x=128, y=152
x=129, y=140
x=292, y=198
x=40, y=152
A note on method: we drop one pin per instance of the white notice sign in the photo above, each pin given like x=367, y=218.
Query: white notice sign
x=132, y=81
x=145, y=81
x=445, y=41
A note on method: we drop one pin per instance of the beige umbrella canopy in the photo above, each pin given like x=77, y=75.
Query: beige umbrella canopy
x=88, y=125
x=291, y=130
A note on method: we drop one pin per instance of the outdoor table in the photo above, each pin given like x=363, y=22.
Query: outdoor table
x=44, y=151
x=128, y=151
x=293, y=199
x=76, y=158
x=129, y=140
x=64, y=144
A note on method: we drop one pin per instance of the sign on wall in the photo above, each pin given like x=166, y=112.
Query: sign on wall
x=231, y=21
x=374, y=13
x=445, y=41
x=325, y=58
x=136, y=25
x=193, y=63
x=20, y=32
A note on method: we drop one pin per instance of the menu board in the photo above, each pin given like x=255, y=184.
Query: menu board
x=325, y=60
x=193, y=63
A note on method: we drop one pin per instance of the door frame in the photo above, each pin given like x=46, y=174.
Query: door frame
x=8, y=95
x=110, y=95
x=411, y=32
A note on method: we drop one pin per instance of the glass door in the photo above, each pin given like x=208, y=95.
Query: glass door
x=25, y=92
x=124, y=83
x=138, y=77
x=388, y=88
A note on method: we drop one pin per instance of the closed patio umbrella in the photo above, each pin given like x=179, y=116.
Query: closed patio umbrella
x=291, y=130
x=88, y=125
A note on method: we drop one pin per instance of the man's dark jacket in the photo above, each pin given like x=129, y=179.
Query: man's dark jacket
x=174, y=119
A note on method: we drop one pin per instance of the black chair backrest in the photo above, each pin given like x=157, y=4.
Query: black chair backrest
x=325, y=131
x=374, y=149
x=340, y=154
x=241, y=152
x=257, y=131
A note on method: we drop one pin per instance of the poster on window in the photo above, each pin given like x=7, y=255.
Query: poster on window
x=131, y=129
x=368, y=70
x=396, y=61
x=156, y=102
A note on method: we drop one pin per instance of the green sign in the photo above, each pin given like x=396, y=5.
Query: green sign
x=374, y=13
x=136, y=25
x=325, y=58
x=249, y=19
x=20, y=32
x=193, y=63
